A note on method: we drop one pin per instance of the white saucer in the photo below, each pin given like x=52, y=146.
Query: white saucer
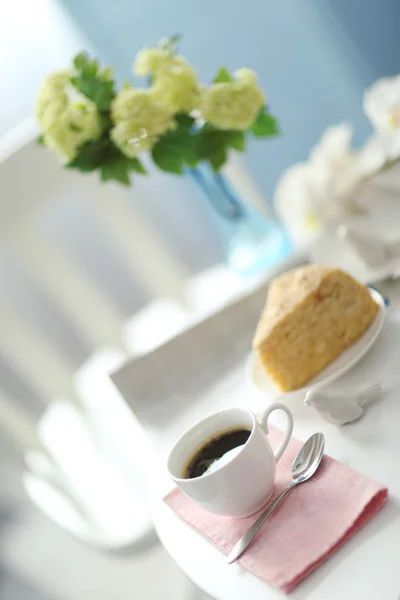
x=257, y=375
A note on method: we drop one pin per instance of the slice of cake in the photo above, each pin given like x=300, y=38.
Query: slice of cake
x=312, y=314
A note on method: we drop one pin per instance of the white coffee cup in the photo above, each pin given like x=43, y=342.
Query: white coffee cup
x=243, y=485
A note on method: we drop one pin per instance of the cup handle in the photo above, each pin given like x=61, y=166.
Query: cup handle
x=289, y=426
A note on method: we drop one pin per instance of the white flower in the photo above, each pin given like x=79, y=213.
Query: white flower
x=378, y=152
x=310, y=195
x=335, y=169
x=382, y=107
x=294, y=205
x=382, y=104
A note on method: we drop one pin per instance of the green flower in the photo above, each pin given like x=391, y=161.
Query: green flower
x=233, y=105
x=67, y=118
x=246, y=76
x=177, y=87
x=149, y=61
x=139, y=120
x=174, y=79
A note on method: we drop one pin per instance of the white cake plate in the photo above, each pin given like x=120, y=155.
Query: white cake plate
x=257, y=375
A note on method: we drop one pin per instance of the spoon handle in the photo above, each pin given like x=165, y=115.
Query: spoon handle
x=251, y=533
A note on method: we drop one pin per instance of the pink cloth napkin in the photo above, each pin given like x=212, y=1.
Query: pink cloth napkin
x=313, y=521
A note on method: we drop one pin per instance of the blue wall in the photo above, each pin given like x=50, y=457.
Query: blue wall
x=373, y=28
x=314, y=57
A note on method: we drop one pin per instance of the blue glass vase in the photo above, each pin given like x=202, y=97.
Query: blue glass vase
x=252, y=241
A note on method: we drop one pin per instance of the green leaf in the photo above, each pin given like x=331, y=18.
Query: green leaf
x=101, y=92
x=171, y=43
x=40, y=140
x=265, y=125
x=185, y=122
x=218, y=157
x=236, y=140
x=106, y=122
x=81, y=60
x=168, y=157
x=119, y=167
x=94, y=83
x=103, y=155
x=136, y=165
x=213, y=146
x=93, y=155
x=174, y=39
x=116, y=172
x=223, y=76
x=167, y=162
x=179, y=148
x=205, y=143
x=191, y=158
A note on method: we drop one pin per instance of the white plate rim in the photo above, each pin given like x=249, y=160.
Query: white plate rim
x=354, y=354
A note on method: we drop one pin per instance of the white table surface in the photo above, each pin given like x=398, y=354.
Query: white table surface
x=367, y=566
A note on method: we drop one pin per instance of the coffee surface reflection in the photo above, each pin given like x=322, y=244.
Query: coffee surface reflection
x=213, y=450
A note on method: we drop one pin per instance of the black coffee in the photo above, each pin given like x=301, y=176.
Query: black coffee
x=213, y=449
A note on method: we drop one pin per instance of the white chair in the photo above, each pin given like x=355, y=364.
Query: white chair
x=32, y=184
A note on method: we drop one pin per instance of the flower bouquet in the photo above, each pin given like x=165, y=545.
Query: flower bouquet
x=93, y=126
x=184, y=126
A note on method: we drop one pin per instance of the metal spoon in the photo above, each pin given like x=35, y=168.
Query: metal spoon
x=304, y=466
